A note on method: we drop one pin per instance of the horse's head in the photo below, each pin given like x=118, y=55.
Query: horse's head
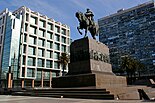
x=79, y=15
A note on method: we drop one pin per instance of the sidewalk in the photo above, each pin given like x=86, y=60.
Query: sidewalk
x=26, y=99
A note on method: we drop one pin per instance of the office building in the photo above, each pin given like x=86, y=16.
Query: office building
x=130, y=32
x=30, y=46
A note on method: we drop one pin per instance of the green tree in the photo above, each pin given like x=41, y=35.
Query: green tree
x=131, y=66
x=64, y=59
x=126, y=64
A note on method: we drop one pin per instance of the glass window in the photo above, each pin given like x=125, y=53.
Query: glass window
x=63, y=40
x=24, y=48
x=25, y=37
x=27, y=17
x=46, y=75
x=30, y=72
x=24, y=60
x=50, y=26
x=57, y=37
x=33, y=20
x=26, y=26
x=39, y=74
x=49, y=44
x=49, y=54
x=49, y=63
x=63, y=48
x=42, y=23
x=56, y=55
x=40, y=62
x=57, y=29
x=54, y=74
x=31, y=61
x=49, y=35
x=41, y=42
x=33, y=29
x=32, y=40
x=56, y=65
x=56, y=46
x=41, y=52
x=23, y=71
x=31, y=50
x=63, y=31
x=41, y=33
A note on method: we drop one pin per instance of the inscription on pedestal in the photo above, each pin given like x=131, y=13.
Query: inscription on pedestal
x=91, y=54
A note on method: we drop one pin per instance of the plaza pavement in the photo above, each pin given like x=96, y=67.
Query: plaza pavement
x=26, y=99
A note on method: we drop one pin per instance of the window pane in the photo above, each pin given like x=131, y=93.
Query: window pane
x=57, y=29
x=31, y=61
x=31, y=50
x=63, y=31
x=63, y=40
x=49, y=44
x=63, y=48
x=33, y=20
x=38, y=74
x=26, y=26
x=41, y=33
x=42, y=23
x=57, y=37
x=41, y=42
x=30, y=72
x=50, y=26
x=41, y=52
x=47, y=75
x=25, y=37
x=56, y=46
x=32, y=40
x=56, y=65
x=49, y=54
x=40, y=62
x=49, y=35
x=32, y=30
x=24, y=48
x=56, y=55
x=49, y=64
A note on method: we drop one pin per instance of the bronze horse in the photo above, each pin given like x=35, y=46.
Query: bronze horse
x=87, y=25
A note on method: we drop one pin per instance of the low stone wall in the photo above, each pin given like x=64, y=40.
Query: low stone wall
x=107, y=80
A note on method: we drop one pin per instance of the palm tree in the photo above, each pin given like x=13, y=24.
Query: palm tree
x=125, y=64
x=128, y=65
x=64, y=59
x=131, y=66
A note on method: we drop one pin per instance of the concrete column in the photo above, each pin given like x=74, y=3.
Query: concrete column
x=42, y=79
x=33, y=83
x=22, y=83
x=9, y=80
x=50, y=78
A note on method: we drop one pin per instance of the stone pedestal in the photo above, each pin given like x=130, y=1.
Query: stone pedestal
x=89, y=66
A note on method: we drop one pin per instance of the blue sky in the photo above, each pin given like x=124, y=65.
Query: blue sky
x=64, y=10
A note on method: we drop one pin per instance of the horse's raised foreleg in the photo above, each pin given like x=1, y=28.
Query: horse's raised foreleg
x=78, y=28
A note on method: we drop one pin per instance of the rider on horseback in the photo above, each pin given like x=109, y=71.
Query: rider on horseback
x=89, y=14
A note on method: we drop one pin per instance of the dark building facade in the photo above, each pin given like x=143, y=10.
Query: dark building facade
x=130, y=32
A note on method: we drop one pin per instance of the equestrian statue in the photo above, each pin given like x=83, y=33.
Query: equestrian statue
x=87, y=22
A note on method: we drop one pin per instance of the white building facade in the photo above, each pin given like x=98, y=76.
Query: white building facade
x=31, y=46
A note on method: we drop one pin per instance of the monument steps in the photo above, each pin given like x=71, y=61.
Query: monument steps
x=68, y=93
